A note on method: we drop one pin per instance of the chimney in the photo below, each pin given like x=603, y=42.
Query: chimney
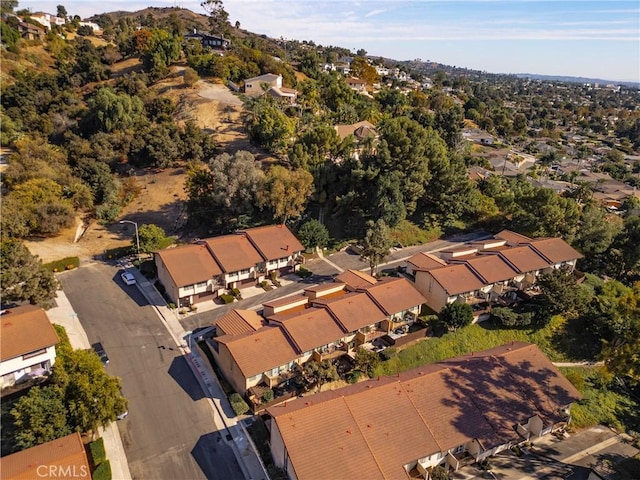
x=287, y=248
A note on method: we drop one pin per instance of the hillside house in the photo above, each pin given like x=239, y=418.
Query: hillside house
x=488, y=271
x=356, y=84
x=214, y=42
x=455, y=412
x=202, y=271
x=324, y=322
x=27, y=344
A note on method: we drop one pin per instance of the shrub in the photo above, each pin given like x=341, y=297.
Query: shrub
x=353, y=376
x=439, y=473
x=226, y=298
x=68, y=263
x=456, y=315
x=387, y=353
x=103, y=472
x=97, y=451
x=172, y=306
x=304, y=272
x=267, y=396
x=504, y=316
x=236, y=293
x=238, y=404
x=193, y=308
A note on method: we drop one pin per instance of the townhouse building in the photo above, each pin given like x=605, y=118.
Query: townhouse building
x=452, y=413
x=488, y=271
x=203, y=270
x=324, y=322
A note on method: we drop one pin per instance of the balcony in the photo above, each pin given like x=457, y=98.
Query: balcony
x=331, y=352
x=371, y=335
x=275, y=380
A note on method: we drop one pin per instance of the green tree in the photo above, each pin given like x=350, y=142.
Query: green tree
x=439, y=473
x=40, y=416
x=22, y=276
x=161, y=49
x=190, y=77
x=61, y=11
x=152, y=238
x=561, y=294
x=320, y=372
x=218, y=16
x=92, y=397
x=366, y=361
x=376, y=244
x=313, y=234
x=112, y=111
x=268, y=126
x=456, y=315
x=287, y=191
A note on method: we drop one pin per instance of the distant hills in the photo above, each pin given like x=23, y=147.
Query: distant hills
x=561, y=78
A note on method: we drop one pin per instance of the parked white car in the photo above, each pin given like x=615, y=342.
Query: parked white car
x=128, y=278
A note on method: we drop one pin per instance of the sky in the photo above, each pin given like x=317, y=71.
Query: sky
x=595, y=39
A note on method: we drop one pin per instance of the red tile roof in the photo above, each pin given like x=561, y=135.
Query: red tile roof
x=512, y=237
x=555, y=250
x=237, y=322
x=456, y=279
x=395, y=295
x=259, y=351
x=492, y=268
x=425, y=261
x=354, y=311
x=24, y=330
x=364, y=428
x=65, y=457
x=355, y=279
x=524, y=258
x=189, y=264
x=274, y=241
x=233, y=252
x=311, y=328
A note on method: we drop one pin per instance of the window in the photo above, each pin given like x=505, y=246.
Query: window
x=460, y=449
x=188, y=288
x=34, y=354
x=245, y=270
x=201, y=285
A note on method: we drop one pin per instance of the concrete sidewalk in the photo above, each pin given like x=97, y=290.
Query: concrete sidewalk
x=64, y=315
x=225, y=420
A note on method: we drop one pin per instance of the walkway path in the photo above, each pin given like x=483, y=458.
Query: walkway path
x=64, y=315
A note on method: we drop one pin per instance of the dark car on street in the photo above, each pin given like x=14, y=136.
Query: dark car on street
x=99, y=349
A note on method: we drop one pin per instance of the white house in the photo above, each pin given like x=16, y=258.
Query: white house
x=27, y=344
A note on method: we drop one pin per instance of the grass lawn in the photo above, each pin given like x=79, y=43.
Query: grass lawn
x=474, y=338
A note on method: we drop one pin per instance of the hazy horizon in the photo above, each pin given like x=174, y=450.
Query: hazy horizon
x=591, y=39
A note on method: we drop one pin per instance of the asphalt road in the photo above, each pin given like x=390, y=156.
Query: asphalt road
x=170, y=432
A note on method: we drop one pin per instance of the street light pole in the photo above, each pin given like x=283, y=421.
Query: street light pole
x=137, y=238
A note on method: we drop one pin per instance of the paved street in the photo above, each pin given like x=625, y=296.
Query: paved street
x=170, y=432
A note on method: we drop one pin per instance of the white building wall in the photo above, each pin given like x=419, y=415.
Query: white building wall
x=21, y=366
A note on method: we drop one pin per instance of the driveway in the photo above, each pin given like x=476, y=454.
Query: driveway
x=170, y=431
x=219, y=93
x=550, y=458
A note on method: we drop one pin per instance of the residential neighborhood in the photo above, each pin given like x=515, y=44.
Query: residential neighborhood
x=274, y=243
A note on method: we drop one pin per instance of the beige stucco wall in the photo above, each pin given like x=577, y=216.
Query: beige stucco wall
x=431, y=290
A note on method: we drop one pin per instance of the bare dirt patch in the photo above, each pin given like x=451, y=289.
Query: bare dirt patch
x=162, y=199
x=160, y=202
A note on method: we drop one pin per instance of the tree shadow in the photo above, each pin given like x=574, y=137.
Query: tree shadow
x=180, y=371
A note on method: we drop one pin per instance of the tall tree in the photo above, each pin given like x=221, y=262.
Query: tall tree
x=313, y=234
x=152, y=238
x=320, y=372
x=287, y=191
x=93, y=398
x=376, y=244
x=218, y=16
x=40, y=417
x=22, y=276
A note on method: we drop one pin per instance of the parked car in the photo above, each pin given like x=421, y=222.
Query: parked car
x=128, y=278
x=99, y=349
x=122, y=416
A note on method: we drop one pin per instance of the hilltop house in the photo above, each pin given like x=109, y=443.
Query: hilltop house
x=214, y=42
x=270, y=84
x=324, y=322
x=452, y=413
x=201, y=271
x=27, y=344
x=488, y=271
